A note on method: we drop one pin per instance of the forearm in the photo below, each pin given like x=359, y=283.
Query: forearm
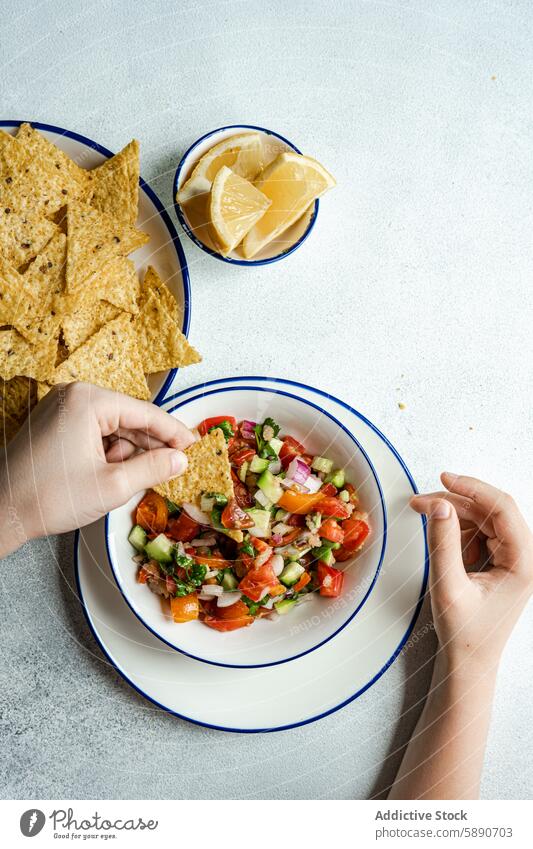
x=444, y=757
x=13, y=530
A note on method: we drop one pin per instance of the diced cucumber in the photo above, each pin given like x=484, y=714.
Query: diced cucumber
x=262, y=522
x=284, y=605
x=275, y=444
x=294, y=553
x=281, y=515
x=243, y=470
x=160, y=549
x=324, y=554
x=291, y=574
x=261, y=499
x=322, y=464
x=212, y=499
x=337, y=478
x=270, y=486
x=229, y=581
x=258, y=465
x=344, y=496
x=138, y=537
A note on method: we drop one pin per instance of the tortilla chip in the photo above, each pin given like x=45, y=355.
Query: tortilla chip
x=10, y=157
x=17, y=397
x=209, y=470
x=45, y=276
x=153, y=283
x=17, y=302
x=93, y=239
x=22, y=236
x=43, y=178
x=109, y=358
x=80, y=325
x=161, y=342
x=115, y=185
x=19, y=357
x=117, y=283
x=42, y=390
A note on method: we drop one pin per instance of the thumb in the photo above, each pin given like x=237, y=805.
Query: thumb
x=447, y=572
x=147, y=469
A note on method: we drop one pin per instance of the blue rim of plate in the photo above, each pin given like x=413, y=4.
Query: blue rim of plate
x=366, y=595
x=198, y=242
x=361, y=690
x=60, y=131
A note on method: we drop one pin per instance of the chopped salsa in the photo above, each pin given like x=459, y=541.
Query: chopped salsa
x=292, y=519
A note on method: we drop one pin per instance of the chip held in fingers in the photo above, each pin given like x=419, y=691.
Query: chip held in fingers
x=208, y=470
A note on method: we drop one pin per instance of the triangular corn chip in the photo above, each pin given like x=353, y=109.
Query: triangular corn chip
x=44, y=178
x=209, y=470
x=19, y=357
x=80, y=325
x=115, y=185
x=23, y=235
x=45, y=276
x=153, y=283
x=17, y=302
x=110, y=358
x=161, y=342
x=117, y=282
x=93, y=239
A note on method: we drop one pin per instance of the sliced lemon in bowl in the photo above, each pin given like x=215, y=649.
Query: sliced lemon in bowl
x=291, y=182
x=235, y=206
x=243, y=153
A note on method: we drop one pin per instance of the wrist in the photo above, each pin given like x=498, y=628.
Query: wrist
x=13, y=528
x=464, y=670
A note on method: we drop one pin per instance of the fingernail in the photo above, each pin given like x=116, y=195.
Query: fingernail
x=441, y=510
x=178, y=462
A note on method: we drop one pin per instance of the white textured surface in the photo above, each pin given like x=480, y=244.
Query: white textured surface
x=414, y=288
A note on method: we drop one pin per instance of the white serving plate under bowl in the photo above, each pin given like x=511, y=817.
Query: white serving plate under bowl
x=163, y=251
x=313, y=623
x=273, y=145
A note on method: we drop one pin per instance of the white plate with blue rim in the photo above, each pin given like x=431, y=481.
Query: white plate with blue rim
x=287, y=694
x=163, y=251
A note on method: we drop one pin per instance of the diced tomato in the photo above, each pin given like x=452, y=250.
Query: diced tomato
x=227, y=624
x=302, y=582
x=185, y=609
x=331, y=530
x=242, y=455
x=259, y=544
x=291, y=536
x=243, y=498
x=279, y=589
x=290, y=449
x=333, y=507
x=152, y=513
x=295, y=520
x=328, y=489
x=216, y=561
x=142, y=575
x=182, y=528
x=330, y=580
x=205, y=426
x=300, y=502
x=355, y=533
x=234, y=517
x=257, y=580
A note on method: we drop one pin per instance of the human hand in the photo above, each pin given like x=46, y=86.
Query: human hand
x=77, y=456
x=475, y=611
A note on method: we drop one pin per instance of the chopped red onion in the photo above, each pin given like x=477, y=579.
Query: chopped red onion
x=298, y=470
x=211, y=590
x=277, y=539
x=287, y=483
x=211, y=573
x=206, y=541
x=275, y=467
x=247, y=429
x=277, y=564
x=138, y=558
x=227, y=599
x=313, y=483
x=263, y=594
x=196, y=514
x=263, y=556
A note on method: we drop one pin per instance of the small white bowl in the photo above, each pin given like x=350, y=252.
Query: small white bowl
x=287, y=243
x=314, y=622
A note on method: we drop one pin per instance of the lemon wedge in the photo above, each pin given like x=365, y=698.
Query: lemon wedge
x=242, y=153
x=291, y=182
x=235, y=206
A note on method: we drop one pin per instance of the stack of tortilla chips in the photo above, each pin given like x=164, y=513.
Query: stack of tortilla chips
x=71, y=305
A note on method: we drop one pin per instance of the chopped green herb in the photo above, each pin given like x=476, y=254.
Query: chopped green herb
x=247, y=548
x=253, y=606
x=172, y=508
x=226, y=429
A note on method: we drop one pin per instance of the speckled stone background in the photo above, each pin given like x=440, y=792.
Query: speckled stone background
x=414, y=288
